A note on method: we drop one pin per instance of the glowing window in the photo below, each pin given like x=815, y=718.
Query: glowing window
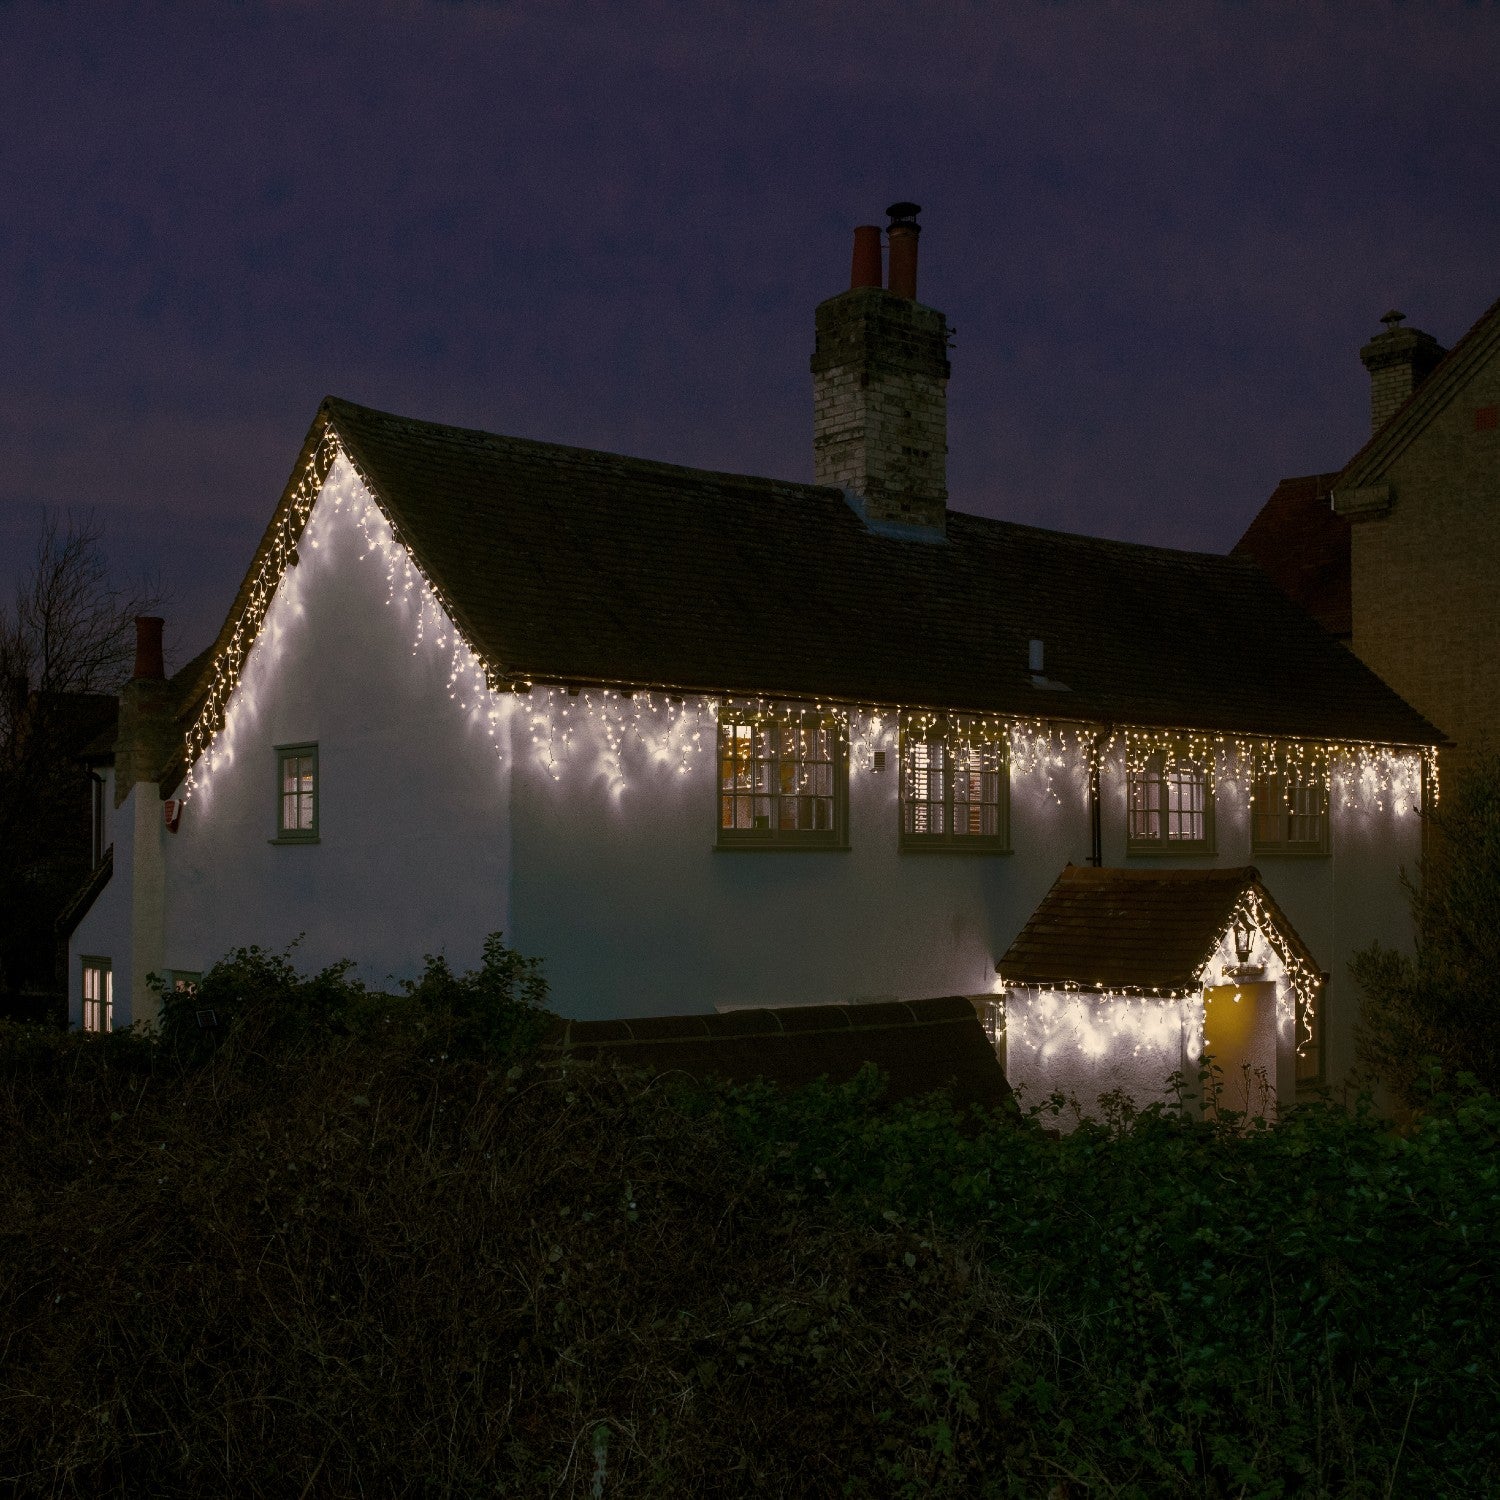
x=1170, y=806
x=296, y=794
x=98, y=995
x=1289, y=808
x=955, y=786
x=782, y=780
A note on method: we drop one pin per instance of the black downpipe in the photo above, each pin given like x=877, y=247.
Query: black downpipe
x=1096, y=831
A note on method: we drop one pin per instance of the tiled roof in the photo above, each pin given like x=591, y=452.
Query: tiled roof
x=921, y=1046
x=1304, y=548
x=85, y=896
x=1132, y=930
x=567, y=565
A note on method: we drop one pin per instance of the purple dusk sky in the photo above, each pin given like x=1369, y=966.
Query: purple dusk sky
x=1161, y=231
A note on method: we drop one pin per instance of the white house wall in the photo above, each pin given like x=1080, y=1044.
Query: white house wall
x=621, y=890
x=413, y=854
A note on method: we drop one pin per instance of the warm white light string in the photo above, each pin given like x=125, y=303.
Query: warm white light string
x=679, y=728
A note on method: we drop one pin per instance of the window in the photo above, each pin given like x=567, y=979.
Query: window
x=98, y=995
x=296, y=794
x=1170, y=805
x=955, y=787
x=1289, y=808
x=783, y=781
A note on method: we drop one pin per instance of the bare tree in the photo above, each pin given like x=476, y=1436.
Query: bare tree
x=68, y=629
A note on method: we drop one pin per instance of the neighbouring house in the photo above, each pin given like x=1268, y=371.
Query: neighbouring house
x=1398, y=553
x=48, y=819
x=712, y=741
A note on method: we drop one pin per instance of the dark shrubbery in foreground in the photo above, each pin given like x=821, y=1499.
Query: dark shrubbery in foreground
x=348, y=1243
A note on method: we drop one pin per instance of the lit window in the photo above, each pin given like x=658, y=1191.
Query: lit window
x=98, y=995
x=1289, y=808
x=782, y=780
x=1170, y=806
x=955, y=787
x=182, y=981
x=296, y=794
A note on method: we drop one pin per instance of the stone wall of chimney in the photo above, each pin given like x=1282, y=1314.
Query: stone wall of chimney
x=880, y=404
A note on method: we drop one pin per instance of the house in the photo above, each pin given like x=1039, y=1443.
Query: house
x=46, y=826
x=705, y=741
x=1399, y=551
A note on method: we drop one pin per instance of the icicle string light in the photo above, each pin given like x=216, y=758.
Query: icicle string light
x=679, y=727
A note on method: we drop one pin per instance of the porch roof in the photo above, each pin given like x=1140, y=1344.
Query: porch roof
x=1133, y=930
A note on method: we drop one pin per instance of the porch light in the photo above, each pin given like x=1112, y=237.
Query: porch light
x=1244, y=939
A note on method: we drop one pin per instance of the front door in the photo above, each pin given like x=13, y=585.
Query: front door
x=1239, y=1037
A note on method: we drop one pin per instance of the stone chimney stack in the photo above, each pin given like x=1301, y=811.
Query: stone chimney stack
x=144, y=740
x=880, y=385
x=1398, y=360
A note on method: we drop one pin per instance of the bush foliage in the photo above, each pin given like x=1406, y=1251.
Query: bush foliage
x=1433, y=1016
x=341, y=1242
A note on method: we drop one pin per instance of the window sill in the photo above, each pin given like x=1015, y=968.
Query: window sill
x=1277, y=851
x=1170, y=851
x=773, y=848
x=287, y=838
x=967, y=850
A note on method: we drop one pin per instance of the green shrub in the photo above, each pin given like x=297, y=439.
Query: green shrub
x=1432, y=1017
x=345, y=1242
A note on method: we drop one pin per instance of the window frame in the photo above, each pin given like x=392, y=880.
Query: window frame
x=285, y=835
x=104, y=968
x=947, y=730
x=1280, y=776
x=1157, y=764
x=776, y=839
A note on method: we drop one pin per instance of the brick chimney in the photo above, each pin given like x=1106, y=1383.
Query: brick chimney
x=146, y=735
x=880, y=382
x=1398, y=360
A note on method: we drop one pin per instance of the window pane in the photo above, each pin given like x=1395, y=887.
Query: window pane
x=780, y=777
x=1144, y=794
x=1187, y=792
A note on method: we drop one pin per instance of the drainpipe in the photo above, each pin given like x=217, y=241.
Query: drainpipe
x=1096, y=830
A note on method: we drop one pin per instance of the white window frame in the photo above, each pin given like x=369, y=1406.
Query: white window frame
x=1156, y=788
x=98, y=995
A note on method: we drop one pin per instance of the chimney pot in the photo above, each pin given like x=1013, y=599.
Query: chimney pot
x=865, y=270
x=902, y=233
x=149, y=663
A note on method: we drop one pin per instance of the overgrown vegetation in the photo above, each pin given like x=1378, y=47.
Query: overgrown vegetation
x=339, y=1242
x=1431, y=1019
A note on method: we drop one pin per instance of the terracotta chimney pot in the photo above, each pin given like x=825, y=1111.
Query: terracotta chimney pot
x=149, y=663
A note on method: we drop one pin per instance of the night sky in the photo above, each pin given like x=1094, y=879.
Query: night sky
x=1161, y=231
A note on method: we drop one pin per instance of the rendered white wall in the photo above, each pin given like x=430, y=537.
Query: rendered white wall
x=621, y=891
x=414, y=855
x=1082, y=1046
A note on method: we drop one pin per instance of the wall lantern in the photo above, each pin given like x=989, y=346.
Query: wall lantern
x=1244, y=940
